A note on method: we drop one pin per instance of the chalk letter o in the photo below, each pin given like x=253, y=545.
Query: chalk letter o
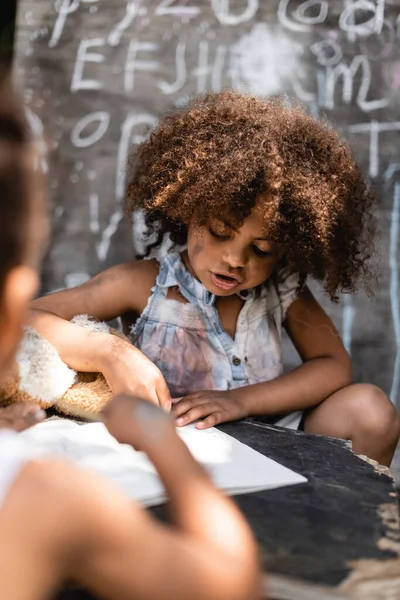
x=103, y=119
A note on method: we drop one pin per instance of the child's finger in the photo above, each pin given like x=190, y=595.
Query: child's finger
x=210, y=421
x=21, y=415
x=187, y=403
x=193, y=414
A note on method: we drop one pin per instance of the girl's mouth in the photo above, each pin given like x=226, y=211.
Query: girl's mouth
x=225, y=281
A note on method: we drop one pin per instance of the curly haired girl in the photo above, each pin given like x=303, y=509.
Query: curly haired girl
x=256, y=196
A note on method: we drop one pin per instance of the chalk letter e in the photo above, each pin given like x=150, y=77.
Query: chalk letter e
x=84, y=56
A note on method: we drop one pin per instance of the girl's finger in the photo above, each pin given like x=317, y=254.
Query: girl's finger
x=198, y=412
x=180, y=408
x=210, y=421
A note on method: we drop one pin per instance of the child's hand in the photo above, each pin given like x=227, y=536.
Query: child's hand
x=212, y=406
x=20, y=416
x=129, y=371
x=138, y=423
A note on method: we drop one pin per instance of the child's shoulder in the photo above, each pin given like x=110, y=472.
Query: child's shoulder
x=140, y=277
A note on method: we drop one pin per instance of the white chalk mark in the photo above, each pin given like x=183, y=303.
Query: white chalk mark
x=374, y=129
x=265, y=60
x=103, y=121
x=132, y=64
x=127, y=138
x=180, y=67
x=103, y=246
x=300, y=12
x=216, y=74
x=132, y=10
x=286, y=22
x=203, y=69
x=94, y=224
x=394, y=288
x=165, y=8
x=63, y=9
x=82, y=57
x=328, y=52
x=314, y=109
x=374, y=149
x=224, y=16
x=347, y=73
x=347, y=322
x=37, y=129
x=391, y=170
x=351, y=36
x=321, y=86
x=29, y=18
x=38, y=34
x=372, y=25
x=302, y=94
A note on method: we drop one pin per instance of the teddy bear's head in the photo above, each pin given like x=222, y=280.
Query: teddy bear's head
x=39, y=375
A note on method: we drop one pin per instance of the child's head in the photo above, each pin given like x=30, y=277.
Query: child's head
x=23, y=222
x=227, y=157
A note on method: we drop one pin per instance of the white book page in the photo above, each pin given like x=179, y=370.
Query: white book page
x=233, y=466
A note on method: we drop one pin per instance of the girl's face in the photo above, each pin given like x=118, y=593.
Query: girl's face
x=227, y=261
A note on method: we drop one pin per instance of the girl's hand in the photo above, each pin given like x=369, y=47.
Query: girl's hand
x=20, y=416
x=129, y=371
x=212, y=406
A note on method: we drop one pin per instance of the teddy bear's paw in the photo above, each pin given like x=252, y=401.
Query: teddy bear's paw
x=90, y=396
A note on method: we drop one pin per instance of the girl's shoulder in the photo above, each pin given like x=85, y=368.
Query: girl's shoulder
x=288, y=285
x=142, y=275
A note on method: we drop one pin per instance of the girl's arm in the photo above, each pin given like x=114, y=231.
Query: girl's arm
x=60, y=522
x=326, y=364
x=110, y=294
x=326, y=368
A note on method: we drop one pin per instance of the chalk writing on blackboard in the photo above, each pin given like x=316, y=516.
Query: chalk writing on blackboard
x=109, y=69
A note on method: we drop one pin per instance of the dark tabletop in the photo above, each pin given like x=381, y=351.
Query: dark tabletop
x=327, y=532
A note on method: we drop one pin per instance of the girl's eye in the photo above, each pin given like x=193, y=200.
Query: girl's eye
x=218, y=236
x=262, y=253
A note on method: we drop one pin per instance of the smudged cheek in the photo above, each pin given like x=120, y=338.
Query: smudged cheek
x=200, y=254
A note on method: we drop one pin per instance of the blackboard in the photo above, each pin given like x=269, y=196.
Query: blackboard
x=7, y=29
x=98, y=73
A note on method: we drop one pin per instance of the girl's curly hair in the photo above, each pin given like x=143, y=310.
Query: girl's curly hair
x=225, y=151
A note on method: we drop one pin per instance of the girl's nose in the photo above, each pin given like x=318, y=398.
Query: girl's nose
x=234, y=257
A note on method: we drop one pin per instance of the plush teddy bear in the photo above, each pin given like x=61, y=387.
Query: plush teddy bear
x=39, y=375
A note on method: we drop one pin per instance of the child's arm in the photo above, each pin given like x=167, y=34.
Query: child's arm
x=60, y=522
x=110, y=294
x=326, y=364
x=326, y=368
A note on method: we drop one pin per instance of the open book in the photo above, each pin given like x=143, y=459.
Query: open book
x=233, y=466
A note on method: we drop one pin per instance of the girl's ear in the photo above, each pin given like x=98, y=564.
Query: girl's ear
x=20, y=286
